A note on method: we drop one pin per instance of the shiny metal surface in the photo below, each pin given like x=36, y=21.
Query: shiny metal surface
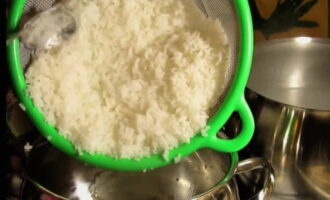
x=296, y=140
x=268, y=184
x=69, y=178
x=47, y=29
x=246, y=166
x=293, y=71
x=226, y=192
x=203, y=175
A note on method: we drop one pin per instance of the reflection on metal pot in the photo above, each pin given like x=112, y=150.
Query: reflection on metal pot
x=204, y=175
x=290, y=99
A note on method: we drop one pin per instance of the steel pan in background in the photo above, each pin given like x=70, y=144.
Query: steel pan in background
x=203, y=175
x=289, y=93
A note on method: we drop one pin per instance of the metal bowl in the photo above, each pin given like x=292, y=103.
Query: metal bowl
x=204, y=174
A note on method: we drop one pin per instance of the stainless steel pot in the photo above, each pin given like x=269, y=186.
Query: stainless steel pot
x=203, y=175
x=289, y=93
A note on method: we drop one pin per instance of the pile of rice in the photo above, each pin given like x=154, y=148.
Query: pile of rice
x=137, y=78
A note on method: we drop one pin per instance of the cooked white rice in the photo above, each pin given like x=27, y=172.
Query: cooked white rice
x=137, y=78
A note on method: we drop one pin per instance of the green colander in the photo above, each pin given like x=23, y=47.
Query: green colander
x=235, y=17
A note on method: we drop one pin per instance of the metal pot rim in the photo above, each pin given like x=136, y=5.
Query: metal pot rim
x=294, y=39
x=273, y=101
x=292, y=72
x=233, y=163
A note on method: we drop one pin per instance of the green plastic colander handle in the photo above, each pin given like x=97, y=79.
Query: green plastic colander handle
x=242, y=138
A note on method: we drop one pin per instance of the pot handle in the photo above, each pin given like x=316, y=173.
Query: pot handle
x=227, y=191
x=259, y=163
x=232, y=191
